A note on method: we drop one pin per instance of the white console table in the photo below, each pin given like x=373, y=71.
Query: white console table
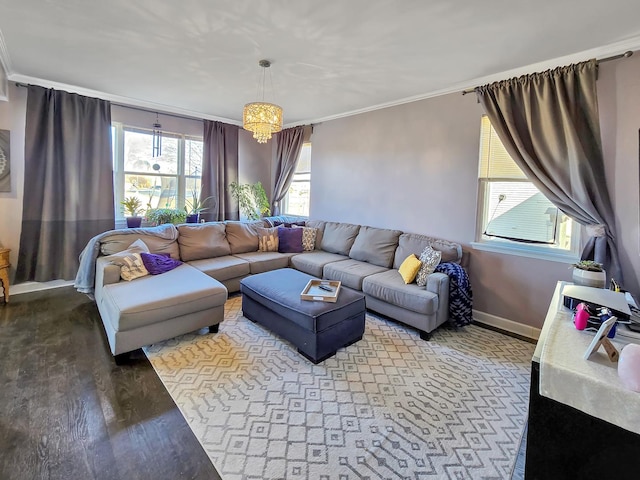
x=578, y=433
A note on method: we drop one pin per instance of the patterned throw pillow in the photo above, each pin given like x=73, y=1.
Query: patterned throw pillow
x=267, y=239
x=409, y=268
x=430, y=259
x=131, y=266
x=308, y=238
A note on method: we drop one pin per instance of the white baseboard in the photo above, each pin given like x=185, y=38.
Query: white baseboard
x=28, y=287
x=507, y=325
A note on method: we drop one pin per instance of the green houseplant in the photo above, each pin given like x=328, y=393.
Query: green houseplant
x=589, y=274
x=252, y=199
x=159, y=216
x=194, y=207
x=132, y=209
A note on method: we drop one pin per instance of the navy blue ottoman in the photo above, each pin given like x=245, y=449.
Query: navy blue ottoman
x=317, y=329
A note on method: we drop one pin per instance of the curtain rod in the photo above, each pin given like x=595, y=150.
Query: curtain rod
x=626, y=54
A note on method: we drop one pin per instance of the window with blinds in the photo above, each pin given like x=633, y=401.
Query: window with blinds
x=512, y=209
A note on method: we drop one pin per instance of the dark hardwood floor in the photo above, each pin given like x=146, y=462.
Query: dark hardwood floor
x=68, y=412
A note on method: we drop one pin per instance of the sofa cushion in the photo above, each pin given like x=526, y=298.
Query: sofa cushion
x=260, y=262
x=202, y=240
x=242, y=236
x=409, y=268
x=314, y=262
x=339, y=237
x=415, y=243
x=375, y=245
x=289, y=240
x=155, y=298
x=267, y=239
x=350, y=272
x=390, y=287
x=223, y=268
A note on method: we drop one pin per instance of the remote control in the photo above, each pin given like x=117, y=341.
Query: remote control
x=325, y=288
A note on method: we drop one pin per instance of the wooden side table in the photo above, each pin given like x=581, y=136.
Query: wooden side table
x=4, y=271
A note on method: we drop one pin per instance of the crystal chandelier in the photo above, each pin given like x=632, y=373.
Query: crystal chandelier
x=262, y=118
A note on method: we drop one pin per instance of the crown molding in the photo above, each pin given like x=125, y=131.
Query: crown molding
x=618, y=48
x=120, y=100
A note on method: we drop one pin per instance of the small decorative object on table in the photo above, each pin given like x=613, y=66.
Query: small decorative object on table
x=321, y=290
x=589, y=274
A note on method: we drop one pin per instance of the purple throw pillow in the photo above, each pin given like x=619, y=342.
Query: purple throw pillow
x=290, y=240
x=157, y=263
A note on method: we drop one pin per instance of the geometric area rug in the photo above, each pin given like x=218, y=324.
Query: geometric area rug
x=391, y=406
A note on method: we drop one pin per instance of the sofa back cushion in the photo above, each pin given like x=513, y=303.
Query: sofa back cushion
x=119, y=242
x=203, y=240
x=339, y=237
x=376, y=246
x=242, y=236
x=319, y=226
x=415, y=243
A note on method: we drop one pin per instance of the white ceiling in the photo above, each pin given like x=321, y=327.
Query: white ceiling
x=330, y=57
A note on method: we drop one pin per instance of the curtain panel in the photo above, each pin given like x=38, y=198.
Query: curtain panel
x=288, y=145
x=68, y=195
x=219, y=170
x=549, y=124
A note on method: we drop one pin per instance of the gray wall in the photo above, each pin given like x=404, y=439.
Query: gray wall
x=414, y=167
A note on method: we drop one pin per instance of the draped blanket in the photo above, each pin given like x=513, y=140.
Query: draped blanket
x=85, y=277
x=460, y=294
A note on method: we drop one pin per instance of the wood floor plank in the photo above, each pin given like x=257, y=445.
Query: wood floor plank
x=67, y=411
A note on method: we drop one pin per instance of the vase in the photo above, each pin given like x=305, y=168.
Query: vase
x=134, y=222
x=588, y=278
x=193, y=218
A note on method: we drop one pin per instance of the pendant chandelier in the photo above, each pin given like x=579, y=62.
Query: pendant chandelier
x=262, y=118
x=156, y=142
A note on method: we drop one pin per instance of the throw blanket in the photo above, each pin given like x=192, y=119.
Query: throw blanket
x=460, y=294
x=85, y=278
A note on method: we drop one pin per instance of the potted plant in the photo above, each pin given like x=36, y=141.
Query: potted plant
x=159, y=216
x=589, y=274
x=133, y=209
x=194, y=207
x=252, y=199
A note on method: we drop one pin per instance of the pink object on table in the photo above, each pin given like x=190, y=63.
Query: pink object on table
x=629, y=367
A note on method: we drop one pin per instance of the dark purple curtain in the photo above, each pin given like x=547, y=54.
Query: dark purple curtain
x=68, y=194
x=288, y=145
x=219, y=170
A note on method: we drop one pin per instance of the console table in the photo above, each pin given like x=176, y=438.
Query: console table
x=4, y=272
x=566, y=443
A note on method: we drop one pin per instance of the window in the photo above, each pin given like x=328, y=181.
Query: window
x=159, y=182
x=296, y=201
x=512, y=211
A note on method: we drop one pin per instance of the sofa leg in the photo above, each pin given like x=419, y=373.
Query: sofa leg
x=425, y=335
x=214, y=328
x=121, y=359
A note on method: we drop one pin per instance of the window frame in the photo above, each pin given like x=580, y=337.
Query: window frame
x=119, y=173
x=285, y=201
x=511, y=247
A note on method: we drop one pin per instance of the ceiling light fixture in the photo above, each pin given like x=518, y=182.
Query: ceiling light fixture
x=156, y=142
x=262, y=118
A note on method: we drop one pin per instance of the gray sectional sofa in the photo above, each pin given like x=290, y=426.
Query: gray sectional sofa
x=217, y=255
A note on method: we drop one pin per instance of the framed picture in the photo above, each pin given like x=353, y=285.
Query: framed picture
x=5, y=164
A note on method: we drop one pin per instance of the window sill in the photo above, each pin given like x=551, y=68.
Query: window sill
x=524, y=251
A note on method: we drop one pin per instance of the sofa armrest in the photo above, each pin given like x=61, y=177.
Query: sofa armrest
x=106, y=273
x=438, y=283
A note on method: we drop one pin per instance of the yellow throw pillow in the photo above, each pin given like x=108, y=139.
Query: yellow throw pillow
x=409, y=268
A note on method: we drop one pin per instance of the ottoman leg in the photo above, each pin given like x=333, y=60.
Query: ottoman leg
x=425, y=335
x=214, y=328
